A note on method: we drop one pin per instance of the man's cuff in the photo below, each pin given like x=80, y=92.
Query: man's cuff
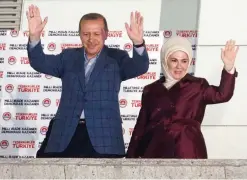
x=139, y=50
x=33, y=44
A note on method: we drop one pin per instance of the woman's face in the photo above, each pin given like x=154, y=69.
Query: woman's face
x=178, y=64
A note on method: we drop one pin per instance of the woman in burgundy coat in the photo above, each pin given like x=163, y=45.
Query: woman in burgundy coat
x=169, y=121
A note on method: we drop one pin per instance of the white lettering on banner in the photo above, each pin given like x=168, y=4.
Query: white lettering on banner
x=26, y=116
x=1, y=60
x=151, y=33
x=18, y=130
x=57, y=102
x=26, y=34
x=130, y=131
x=129, y=117
x=30, y=99
x=24, y=144
x=186, y=33
x=148, y=75
x=24, y=60
x=152, y=47
x=65, y=46
x=136, y=103
x=128, y=89
x=2, y=46
x=28, y=88
x=115, y=34
x=3, y=33
x=63, y=33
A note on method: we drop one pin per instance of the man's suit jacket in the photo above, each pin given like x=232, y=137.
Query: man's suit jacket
x=98, y=98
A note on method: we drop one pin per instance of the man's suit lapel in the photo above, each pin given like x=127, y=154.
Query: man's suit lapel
x=101, y=62
x=79, y=65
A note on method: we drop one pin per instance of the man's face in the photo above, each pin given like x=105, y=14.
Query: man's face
x=93, y=36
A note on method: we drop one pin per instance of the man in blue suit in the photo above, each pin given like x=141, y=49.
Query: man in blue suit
x=87, y=122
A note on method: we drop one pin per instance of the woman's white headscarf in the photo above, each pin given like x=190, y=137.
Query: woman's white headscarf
x=172, y=45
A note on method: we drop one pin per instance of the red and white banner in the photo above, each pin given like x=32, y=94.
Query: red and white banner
x=30, y=99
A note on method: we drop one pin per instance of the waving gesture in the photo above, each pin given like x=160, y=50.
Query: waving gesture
x=35, y=23
x=228, y=54
x=135, y=29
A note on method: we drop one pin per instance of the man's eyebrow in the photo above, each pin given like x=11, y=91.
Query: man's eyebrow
x=91, y=32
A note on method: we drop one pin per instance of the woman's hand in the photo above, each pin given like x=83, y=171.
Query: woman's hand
x=228, y=55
